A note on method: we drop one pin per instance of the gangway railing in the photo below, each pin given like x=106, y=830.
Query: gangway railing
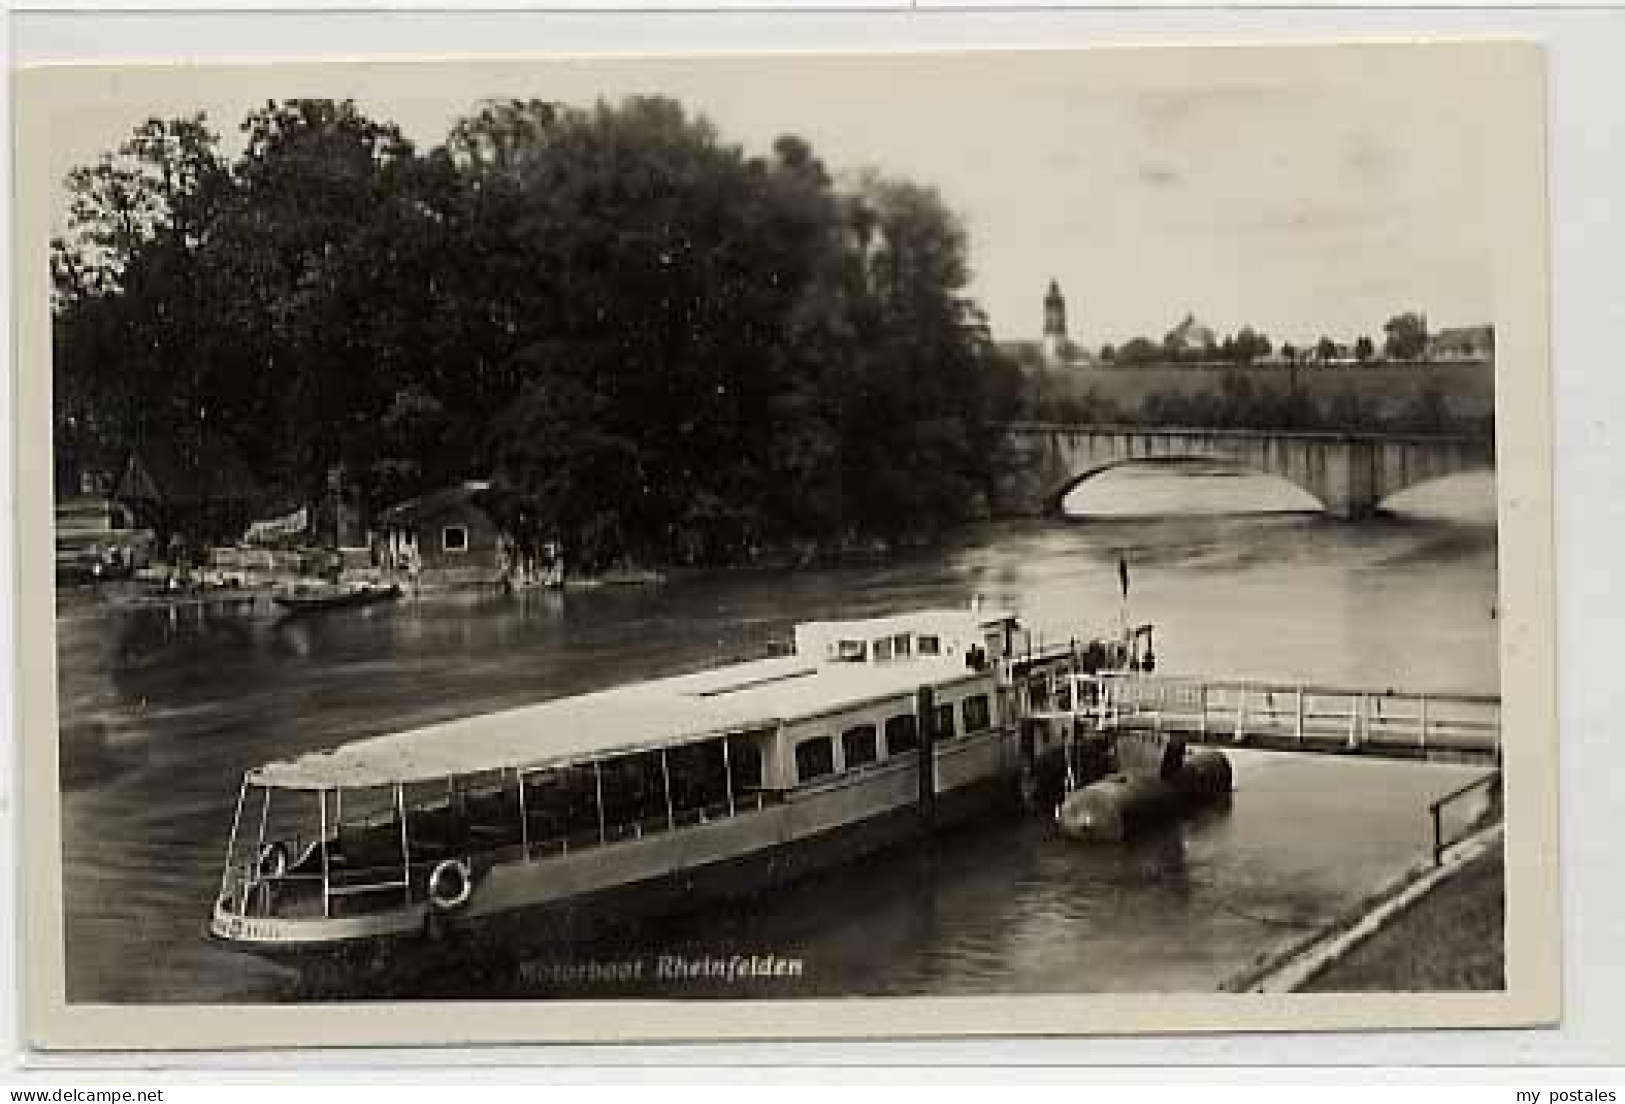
x=1489, y=784
x=1295, y=716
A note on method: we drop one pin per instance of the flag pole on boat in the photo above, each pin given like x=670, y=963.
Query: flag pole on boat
x=1122, y=580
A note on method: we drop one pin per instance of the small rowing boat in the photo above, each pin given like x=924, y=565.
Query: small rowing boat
x=309, y=599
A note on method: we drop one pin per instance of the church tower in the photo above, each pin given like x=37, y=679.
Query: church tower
x=1055, y=339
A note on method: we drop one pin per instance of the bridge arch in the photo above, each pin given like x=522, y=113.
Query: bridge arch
x=1348, y=474
x=1055, y=502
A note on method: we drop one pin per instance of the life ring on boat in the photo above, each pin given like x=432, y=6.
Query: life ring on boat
x=451, y=884
x=272, y=861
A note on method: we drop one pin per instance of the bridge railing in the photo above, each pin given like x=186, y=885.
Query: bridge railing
x=1035, y=428
x=1302, y=715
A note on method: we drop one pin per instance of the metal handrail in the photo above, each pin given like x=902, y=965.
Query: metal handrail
x=1436, y=811
x=1352, y=716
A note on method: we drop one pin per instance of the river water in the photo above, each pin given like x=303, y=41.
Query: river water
x=161, y=712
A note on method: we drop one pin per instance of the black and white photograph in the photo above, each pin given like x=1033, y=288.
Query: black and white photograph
x=710, y=536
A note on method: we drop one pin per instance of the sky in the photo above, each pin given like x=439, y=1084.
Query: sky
x=1300, y=191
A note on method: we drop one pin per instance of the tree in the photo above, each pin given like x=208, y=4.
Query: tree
x=500, y=134
x=1289, y=352
x=1407, y=337
x=132, y=300
x=1139, y=350
x=1249, y=345
x=324, y=273
x=163, y=181
x=915, y=427
x=1363, y=349
x=656, y=344
x=1325, y=350
x=1108, y=353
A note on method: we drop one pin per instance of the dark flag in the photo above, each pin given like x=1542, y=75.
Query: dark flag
x=1122, y=573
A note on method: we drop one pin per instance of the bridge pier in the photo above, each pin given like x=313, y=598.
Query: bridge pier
x=1342, y=477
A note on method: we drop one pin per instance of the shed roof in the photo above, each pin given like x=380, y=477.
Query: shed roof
x=210, y=470
x=436, y=504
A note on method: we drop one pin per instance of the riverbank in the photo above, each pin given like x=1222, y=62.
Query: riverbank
x=1434, y=928
x=1453, y=938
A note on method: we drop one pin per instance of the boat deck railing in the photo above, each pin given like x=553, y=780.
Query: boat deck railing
x=343, y=889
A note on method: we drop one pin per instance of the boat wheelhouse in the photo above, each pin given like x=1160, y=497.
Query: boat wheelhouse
x=648, y=797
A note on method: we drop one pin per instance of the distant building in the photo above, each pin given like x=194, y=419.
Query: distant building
x=444, y=538
x=1055, y=339
x=1462, y=343
x=1057, y=348
x=92, y=530
x=1190, y=338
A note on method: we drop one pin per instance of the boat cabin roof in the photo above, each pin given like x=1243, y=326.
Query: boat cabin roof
x=663, y=712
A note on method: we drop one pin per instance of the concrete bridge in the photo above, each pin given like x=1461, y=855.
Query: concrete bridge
x=1348, y=473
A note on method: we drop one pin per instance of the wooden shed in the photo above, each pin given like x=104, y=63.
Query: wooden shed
x=443, y=538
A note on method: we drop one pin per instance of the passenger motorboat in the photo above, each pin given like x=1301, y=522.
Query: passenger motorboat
x=652, y=797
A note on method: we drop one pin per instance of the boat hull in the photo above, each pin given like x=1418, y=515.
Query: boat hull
x=315, y=604
x=505, y=923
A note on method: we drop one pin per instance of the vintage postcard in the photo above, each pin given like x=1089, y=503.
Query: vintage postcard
x=786, y=546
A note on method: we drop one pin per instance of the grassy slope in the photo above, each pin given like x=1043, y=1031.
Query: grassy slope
x=1452, y=939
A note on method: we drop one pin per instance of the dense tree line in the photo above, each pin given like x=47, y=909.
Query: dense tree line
x=1242, y=402
x=656, y=344
x=1405, y=339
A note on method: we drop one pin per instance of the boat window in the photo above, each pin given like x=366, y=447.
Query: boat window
x=454, y=538
x=858, y=746
x=745, y=762
x=902, y=734
x=367, y=842
x=634, y=794
x=902, y=645
x=930, y=644
x=434, y=819
x=883, y=649
x=699, y=779
x=814, y=758
x=852, y=651
x=490, y=811
x=562, y=804
x=975, y=712
x=945, y=722
x=290, y=817
x=364, y=805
